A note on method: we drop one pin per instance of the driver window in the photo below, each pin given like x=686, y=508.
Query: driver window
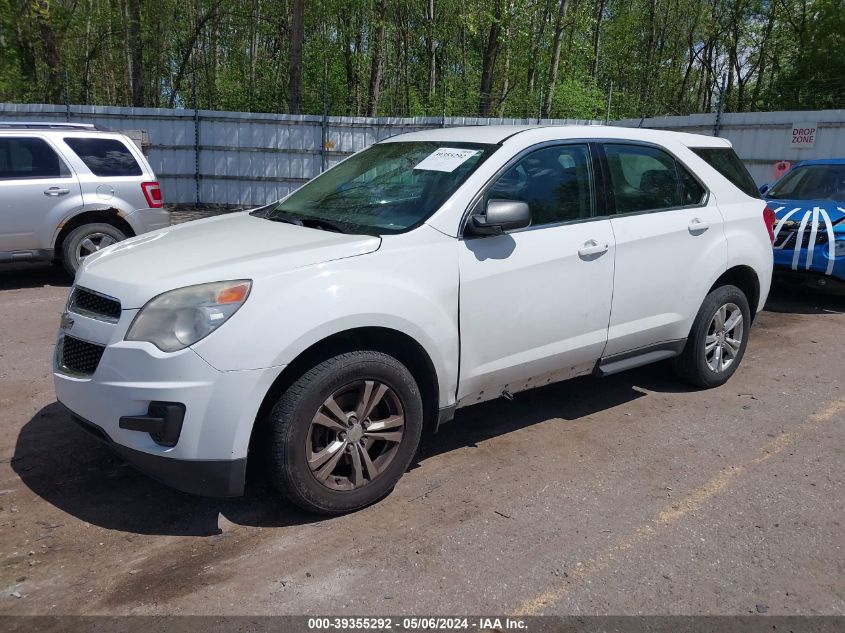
x=555, y=182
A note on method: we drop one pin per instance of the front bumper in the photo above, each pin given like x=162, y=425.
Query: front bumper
x=209, y=478
x=820, y=261
x=208, y=456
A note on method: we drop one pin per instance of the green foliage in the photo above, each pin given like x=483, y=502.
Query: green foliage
x=662, y=56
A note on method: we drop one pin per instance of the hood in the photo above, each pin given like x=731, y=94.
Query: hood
x=233, y=246
x=795, y=210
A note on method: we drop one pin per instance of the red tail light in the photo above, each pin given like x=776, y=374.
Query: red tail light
x=769, y=220
x=152, y=192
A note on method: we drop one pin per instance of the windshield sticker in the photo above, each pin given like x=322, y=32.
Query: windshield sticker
x=446, y=159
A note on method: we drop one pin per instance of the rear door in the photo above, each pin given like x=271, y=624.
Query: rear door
x=534, y=303
x=37, y=189
x=670, y=243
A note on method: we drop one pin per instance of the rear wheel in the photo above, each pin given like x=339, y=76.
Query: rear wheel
x=86, y=240
x=717, y=340
x=343, y=434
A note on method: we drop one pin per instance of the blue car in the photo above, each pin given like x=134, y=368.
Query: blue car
x=809, y=230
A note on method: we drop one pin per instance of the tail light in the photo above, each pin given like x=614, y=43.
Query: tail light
x=769, y=220
x=152, y=192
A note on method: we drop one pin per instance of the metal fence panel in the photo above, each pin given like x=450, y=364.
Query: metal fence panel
x=249, y=159
x=762, y=139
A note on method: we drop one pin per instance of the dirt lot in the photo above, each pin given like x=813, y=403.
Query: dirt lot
x=623, y=495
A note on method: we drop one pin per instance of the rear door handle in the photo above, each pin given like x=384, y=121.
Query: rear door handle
x=592, y=249
x=56, y=191
x=697, y=227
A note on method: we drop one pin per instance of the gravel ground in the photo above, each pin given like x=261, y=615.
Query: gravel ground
x=625, y=495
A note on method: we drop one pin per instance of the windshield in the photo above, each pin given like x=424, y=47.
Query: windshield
x=388, y=188
x=812, y=182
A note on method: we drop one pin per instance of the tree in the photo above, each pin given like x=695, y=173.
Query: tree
x=555, y=59
x=376, y=60
x=520, y=58
x=297, y=39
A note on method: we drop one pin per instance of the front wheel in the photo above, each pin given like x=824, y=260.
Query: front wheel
x=343, y=434
x=717, y=340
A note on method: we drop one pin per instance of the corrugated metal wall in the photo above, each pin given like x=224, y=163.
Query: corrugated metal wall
x=762, y=138
x=244, y=158
x=251, y=159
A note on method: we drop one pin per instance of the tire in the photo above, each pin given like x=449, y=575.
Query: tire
x=297, y=437
x=707, y=348
x=99, y=235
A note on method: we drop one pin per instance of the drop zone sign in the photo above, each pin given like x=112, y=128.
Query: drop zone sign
x=803, y=135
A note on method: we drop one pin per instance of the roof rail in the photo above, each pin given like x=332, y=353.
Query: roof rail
x=46, y=125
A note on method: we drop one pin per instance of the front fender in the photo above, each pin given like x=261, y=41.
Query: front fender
x=412, y=289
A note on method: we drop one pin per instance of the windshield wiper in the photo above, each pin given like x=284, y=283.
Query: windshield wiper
x=320, y=223
x=306, y=221
x=278, y=216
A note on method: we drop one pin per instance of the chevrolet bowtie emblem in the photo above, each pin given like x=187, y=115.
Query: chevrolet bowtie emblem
x=67, y=322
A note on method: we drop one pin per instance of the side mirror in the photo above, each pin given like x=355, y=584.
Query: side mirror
x=499, y=217
x=763, y=189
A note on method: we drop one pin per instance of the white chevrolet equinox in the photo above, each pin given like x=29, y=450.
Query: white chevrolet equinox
x=429, y=272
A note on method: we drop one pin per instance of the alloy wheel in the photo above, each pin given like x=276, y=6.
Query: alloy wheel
x=93, y=243
x=355, y=435
x=724, y=337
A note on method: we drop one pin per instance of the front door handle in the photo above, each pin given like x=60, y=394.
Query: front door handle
x=56, y=191
x=697, y=227
x=592, y=249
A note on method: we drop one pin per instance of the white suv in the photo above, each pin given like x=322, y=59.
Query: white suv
x=68, y=189
x=429, y=272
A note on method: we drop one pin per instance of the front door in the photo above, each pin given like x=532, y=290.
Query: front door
x=535, y=303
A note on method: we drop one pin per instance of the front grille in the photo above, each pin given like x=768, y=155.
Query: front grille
x=79, y=356
x=84, y=301
x=788, y=240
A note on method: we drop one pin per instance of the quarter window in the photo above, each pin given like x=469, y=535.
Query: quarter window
x=104, y=156
x=556, y=182
x=649, y=179
x=25, y=158
x=726, y=162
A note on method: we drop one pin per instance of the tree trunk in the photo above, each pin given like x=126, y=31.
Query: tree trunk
x=505, y=74
x=532, y=58
x=28, y=67
x=376, y=60
x=554, y=62
x=488, y=62
x=599, y=16
x=187, y=53
x=136, y=53
x=648, y=70
x=431, y=54
x=53, y=86
x=297, y=39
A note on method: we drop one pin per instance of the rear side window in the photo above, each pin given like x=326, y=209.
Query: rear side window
x=105, y=156
x=22, y=158
x=726, y=162
x=648, y=179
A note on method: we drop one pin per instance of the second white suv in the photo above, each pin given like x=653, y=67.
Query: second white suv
x=68, y=190
x=429, y=272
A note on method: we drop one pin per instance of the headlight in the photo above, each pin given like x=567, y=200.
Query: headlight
x=179, y=318
x=839, y=248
